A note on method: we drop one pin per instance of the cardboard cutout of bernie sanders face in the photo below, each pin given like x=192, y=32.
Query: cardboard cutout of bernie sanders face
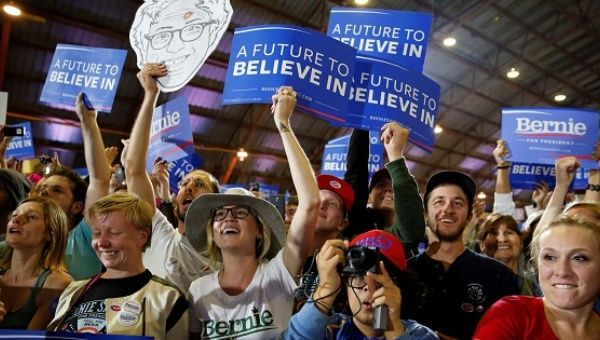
x=180, y=34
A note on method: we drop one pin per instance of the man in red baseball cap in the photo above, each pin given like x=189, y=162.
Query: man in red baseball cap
x=337, y=198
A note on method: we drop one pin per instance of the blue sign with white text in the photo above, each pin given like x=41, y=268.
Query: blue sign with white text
x=21, y=147
x=526, y=176
x=335, y=152
x=181, y=167
x=398, y=36
x=319, y=68
x=383, y=92
x=95, y=71
x=171, y=132
x=541, y=135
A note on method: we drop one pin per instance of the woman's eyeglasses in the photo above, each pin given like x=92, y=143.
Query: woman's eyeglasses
x=237, y=211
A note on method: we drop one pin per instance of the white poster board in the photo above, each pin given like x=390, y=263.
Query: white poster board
x=180, y=34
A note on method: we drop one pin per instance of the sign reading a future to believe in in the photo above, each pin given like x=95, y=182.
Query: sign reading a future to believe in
x=93, y=70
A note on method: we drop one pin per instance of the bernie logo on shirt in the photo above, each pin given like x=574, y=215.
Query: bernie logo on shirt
x=257, y=322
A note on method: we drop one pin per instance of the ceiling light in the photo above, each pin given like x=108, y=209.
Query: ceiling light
x=481, y=195
x=513, y=73
x=438, y=129
x=242, y=154
x=361, y=2
x=11, y=9
x=560, y=97
x=449, y=41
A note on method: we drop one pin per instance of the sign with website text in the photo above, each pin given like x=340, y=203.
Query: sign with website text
x=398, y=36
x=526, y=176
x=95, y=71
x=319, y=68
x=541, y=135
x=21, y=147
x=335, y=152
x=383, y=92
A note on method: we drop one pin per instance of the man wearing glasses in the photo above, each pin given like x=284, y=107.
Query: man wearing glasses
x=179, y=34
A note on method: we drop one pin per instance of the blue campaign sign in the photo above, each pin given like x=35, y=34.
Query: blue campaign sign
x=335, y=152
x=265, y=57
x=26, y=334
x=384, y=92
x=171, y=132
x=181, y=167
x=526, y=176
x=398, y=36
x=21, y=147
x=95, y=71
x=541, y=135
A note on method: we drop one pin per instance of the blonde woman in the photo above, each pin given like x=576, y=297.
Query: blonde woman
x=32, y=270
x=251, y=296
x=567, y=256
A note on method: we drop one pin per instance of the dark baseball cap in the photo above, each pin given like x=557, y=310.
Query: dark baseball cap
x=464, y=181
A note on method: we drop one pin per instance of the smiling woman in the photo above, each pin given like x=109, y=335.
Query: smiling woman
x=567, y=255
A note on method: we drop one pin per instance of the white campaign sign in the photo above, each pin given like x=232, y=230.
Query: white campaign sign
x=180, y=34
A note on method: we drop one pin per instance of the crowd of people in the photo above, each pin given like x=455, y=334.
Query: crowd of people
x=105, y=256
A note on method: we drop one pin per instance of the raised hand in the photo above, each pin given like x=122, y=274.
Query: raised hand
x=501, y=152
x=394, y=137
x=148, y=74
x=284, y=102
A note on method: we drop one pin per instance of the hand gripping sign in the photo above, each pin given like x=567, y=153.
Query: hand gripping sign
x=180, y=34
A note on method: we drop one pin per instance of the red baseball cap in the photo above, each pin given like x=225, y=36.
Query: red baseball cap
x=388, y=244
x=339, y=186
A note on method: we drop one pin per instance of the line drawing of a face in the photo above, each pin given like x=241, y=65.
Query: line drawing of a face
x=180, y=34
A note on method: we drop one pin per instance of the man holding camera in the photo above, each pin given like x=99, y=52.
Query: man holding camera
x=373, y=269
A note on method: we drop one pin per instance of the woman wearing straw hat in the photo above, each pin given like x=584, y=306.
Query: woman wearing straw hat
x=251, y=296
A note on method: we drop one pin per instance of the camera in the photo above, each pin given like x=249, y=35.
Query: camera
x=360, y=260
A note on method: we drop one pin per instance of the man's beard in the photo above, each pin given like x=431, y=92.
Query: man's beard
x=451, y=237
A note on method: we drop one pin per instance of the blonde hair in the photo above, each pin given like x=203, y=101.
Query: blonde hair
x=593, y=207
x=262, y=245
x=57, y=226
x=563, y=220
x=137, y=211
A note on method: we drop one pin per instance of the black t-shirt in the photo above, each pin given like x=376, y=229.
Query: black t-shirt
x=453, y=301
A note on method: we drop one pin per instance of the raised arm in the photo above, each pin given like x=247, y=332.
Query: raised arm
x=503, y=199
x=409, y=224
x=301, y=233
x=93, y=149
x=565, y=173
x=4, y=141
x=138, y=181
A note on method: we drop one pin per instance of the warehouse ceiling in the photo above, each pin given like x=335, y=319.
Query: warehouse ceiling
x=554, y=44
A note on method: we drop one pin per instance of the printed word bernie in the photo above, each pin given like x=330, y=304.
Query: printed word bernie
x=528, y=126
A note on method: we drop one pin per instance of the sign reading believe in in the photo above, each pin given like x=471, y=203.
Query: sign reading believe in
x=95, y=71
x=383, y=92
x=21, y=147
x=526, y=176
x=335, y=153
x=319, y=68
x=541, y=135
x=398, y=36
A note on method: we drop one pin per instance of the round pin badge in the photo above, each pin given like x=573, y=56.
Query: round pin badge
x=128, y=319
x=132, y=307
x=335, y=184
